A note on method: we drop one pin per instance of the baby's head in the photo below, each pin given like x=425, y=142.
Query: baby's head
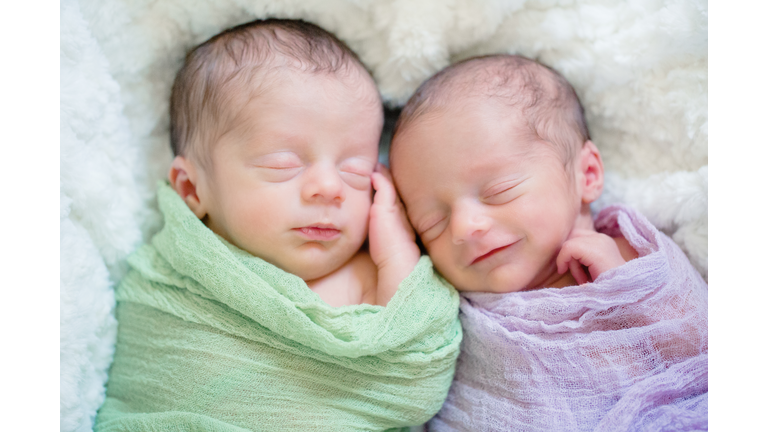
x=275, y=126
x=493, y=162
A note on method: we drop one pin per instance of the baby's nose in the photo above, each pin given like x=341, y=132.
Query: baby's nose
x=468, y=221
x=323, y=184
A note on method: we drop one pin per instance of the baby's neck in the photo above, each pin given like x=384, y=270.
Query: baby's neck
x=351, y=284
x=561, y=281
x=555, y=280
x=584, y=220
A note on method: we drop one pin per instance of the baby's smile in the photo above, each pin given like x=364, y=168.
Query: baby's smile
x=494, y=257
x=504, y=204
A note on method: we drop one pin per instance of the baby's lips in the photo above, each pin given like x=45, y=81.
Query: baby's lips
x=322, y=232
x=481, y=254
x=320, y=225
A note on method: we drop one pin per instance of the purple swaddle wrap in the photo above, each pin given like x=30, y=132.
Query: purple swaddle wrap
x=627, y=352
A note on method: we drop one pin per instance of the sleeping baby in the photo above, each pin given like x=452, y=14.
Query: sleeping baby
x=258, y=306
x=254, y=124
x=571, y=323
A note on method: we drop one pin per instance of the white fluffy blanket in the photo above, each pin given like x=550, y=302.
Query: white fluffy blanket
x=640, y=68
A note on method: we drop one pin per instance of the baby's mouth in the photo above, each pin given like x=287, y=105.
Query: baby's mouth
x=491, y=253
x=319, y=232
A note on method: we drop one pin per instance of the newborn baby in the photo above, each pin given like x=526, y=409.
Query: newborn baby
x=276, y=148
x=257, y=306
x=571, y=322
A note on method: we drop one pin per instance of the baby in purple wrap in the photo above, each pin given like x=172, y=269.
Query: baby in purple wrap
x=572, y=322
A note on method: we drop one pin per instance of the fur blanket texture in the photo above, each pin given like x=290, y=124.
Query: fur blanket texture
x=639, y=67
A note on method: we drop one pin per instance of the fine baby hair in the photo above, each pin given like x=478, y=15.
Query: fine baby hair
x=547, y=100
x=226, y=71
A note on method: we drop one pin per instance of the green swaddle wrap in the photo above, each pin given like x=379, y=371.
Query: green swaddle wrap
x=213, y=338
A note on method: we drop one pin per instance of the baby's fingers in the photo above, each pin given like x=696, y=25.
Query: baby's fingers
x=597, y=252
x=577, y=271
x=381, y=168
x=573, y=255
x=385, y=192
x=564, y=258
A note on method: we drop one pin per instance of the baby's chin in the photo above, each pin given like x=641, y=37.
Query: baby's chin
x=501, y=281
x=317, y=265
x=495, y=288
x=313, y=271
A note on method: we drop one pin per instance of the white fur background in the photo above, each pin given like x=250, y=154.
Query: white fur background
x=639, y=66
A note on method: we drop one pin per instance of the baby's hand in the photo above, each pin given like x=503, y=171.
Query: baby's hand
x=598, y=252
x=391, y=238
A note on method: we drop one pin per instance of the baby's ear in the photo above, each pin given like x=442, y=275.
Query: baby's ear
x=184, y=180
x=591, y=173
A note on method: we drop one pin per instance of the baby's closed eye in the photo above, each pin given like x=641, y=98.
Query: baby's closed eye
x=278, y=167
x=502, y=193
x=431, y=227
x=356, y=172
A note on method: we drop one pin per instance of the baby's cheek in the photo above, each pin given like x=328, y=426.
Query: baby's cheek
x=445, y=261
x=508, y=278
x=360, y=200
x=547, y=233
x=358, y=209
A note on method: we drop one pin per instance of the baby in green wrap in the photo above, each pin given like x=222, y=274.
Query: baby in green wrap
x=275, y=127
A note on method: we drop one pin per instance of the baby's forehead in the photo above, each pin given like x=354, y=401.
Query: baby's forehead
x=502, y=87
x=460, y=125
x=469, y=139
x=514, y=80
x=271, y=84
x=221, y=75
x=494, y=80
x=286, y=103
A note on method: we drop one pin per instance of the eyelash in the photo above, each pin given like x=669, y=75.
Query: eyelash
x=489, y=199
x=281, y=162
x=282, y=168
x=357, y=168
x=505, y=189
x=429, y=228
x=288, y=166
x=355, y=173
